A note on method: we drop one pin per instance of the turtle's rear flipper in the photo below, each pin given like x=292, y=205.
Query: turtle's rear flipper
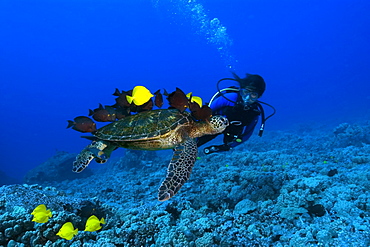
x=94, y=150
x=179, y=169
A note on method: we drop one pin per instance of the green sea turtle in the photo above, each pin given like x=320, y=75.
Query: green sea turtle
x=154, y=130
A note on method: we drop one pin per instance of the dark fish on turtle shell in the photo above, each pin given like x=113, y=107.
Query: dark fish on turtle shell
x=82, y=124
x=121, y=100
x=178, y=100
x=102, y=114
x=158, y=100
x=200, y=113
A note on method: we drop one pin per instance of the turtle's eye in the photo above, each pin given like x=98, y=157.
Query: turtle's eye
x=223, y=121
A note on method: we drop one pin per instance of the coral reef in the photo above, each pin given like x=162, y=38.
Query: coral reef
x=54, y=169
x=291, y=188
x=354, y=134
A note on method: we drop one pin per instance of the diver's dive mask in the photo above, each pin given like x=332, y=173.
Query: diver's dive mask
x=248, y=95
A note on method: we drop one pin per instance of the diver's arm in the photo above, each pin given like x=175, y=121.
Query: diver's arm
x=246, y=134
x=204, y=139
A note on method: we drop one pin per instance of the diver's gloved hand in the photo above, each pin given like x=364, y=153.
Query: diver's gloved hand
x=216, y=148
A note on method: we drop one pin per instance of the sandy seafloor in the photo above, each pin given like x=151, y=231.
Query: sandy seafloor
x=308, y=186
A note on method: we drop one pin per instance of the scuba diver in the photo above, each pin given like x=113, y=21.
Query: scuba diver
x=241, y=107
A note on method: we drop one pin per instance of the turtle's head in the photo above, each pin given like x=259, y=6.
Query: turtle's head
x=218, y=124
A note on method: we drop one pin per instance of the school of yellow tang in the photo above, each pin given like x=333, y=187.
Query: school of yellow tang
x=41, y=215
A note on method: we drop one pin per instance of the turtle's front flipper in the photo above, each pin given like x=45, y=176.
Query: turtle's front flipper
x=94, y=150
x=179, y=169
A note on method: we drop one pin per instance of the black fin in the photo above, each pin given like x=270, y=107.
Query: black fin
x=117, y=92
x=70, y=124
x=91, y=138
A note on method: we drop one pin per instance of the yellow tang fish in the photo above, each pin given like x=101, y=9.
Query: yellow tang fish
x=140, y=95
x=40, y=214
x=195, y=99
x=93, y=224
x=67, y=231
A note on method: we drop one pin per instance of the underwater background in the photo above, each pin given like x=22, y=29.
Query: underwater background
x=61, y=58
x=58, y=59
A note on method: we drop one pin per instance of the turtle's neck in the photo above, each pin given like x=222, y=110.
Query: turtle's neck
x=200, y=128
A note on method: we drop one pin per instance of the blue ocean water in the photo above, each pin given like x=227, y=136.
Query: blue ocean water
x=60, y=58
